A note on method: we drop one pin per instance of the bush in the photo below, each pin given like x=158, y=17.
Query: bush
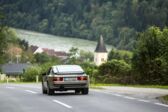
x=31, y=73
x=114, y=71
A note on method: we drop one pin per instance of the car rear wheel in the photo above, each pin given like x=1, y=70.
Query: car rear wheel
x=43, y=90
x=50, y=91
x=85, y=91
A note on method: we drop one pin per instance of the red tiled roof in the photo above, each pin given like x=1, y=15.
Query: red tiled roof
x=49, y=52
x=60, y=53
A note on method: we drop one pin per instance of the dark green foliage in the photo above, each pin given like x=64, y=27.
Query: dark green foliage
x=90, y=70
x=3, y=45
x=114, y=71
x=150, y=56
x=120, y=55
x=42, y=58
x=31, y=73
x=24, y=44
x=7, y=36
x=117, y=20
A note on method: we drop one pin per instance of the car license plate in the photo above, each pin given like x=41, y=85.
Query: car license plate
x=69, y=79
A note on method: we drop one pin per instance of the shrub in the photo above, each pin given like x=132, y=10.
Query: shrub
x=31, y=73
x=114, y=71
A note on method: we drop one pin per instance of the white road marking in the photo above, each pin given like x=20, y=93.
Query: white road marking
x=27, y=86
x=31, y=91
x=161, y=104
x=118, y=95
x=10, y=87
x=141, y=100
x=130, y=98
x=63, y=104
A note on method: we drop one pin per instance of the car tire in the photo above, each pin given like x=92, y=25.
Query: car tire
x=77, y=91
x=85, y=91
x=44, y=91
x=50, y=91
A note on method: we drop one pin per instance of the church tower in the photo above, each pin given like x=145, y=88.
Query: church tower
x=100, y=55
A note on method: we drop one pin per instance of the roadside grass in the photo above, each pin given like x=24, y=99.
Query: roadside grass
x=137, y=86
x=164, y=99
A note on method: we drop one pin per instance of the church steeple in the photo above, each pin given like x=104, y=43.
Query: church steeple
x=100, y=45
x=100, y=55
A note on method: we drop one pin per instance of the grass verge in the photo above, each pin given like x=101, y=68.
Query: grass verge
x=164, y=99
x=138, y=86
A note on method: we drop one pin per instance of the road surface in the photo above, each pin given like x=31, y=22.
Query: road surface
x=28, y=98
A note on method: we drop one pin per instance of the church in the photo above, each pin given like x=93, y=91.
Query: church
x=100, y=54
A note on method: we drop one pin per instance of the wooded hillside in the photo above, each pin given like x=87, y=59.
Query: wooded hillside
x=117, y=20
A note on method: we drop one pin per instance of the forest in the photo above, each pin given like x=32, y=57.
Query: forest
x=119, y=21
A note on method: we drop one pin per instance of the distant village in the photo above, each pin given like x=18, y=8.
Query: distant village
x=13, y=70
x=50, y=52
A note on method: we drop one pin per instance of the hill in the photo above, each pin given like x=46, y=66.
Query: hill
x=118, y=21
x=56, y=42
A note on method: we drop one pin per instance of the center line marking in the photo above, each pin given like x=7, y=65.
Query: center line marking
x=117, y=95
x=131, y=98
x=161, y=104
x=31, y=91
x=63, y=104
x=143, y=100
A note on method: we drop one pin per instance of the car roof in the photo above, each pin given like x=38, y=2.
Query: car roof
x=67, y=69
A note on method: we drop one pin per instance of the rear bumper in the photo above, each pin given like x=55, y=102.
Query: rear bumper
x=64, y=87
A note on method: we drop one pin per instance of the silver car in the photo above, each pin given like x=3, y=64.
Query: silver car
x=63, y=78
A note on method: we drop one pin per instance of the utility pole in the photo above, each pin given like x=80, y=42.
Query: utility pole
x=17, y=58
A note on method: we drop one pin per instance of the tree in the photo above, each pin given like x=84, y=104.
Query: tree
x=73, y=57
x=120, y=55
x=149, y=58
x=86, y=56
x=41, y=58
x=3, y=45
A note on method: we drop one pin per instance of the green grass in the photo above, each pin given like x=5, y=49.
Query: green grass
x=164, y=99
x=139, y=86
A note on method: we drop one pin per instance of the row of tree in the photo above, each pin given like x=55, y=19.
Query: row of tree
x=148, y=64
x=117, y=20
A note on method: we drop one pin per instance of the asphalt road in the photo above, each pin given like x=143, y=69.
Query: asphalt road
x=28, y=98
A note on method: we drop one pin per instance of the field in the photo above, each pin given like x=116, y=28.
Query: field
x=57, y=42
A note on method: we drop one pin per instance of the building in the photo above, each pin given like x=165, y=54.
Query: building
x=14, y=70
x=36, y=49
x=100, y=55
x=50, y=52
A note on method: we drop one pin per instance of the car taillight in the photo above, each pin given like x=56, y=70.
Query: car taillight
x=82, y=78
x=58, y=79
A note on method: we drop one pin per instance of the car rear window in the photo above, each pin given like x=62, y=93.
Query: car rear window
x=68, y=69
